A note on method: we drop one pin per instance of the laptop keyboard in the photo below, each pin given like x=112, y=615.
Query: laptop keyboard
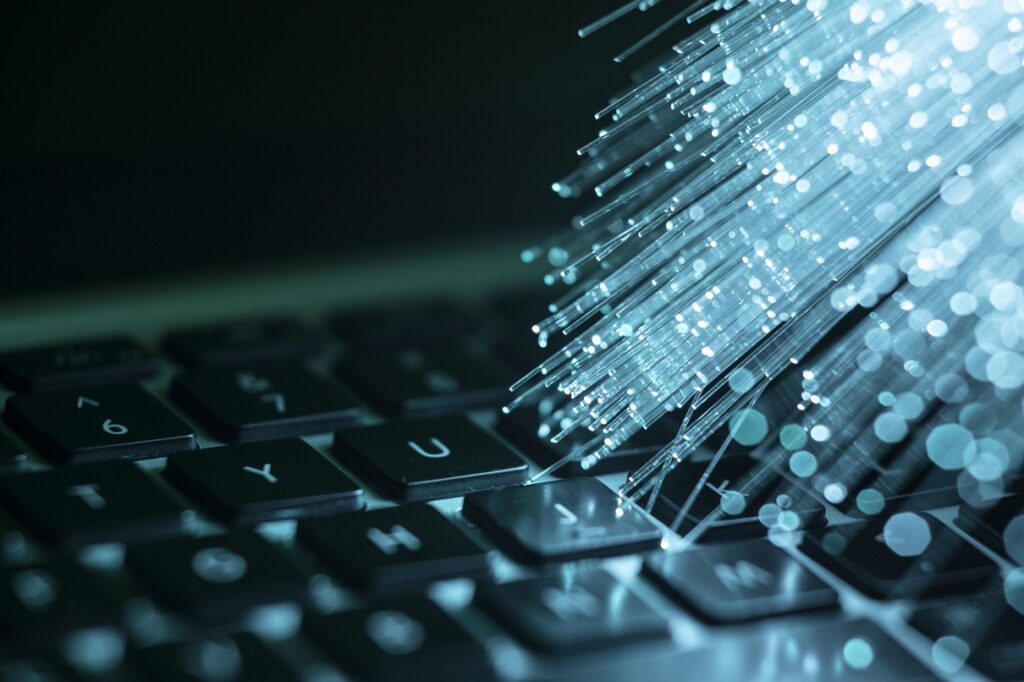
x=322, y=500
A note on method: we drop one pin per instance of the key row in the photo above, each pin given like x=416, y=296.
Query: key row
x=577, y=615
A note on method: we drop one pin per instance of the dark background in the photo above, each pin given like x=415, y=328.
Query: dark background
x=143, y=140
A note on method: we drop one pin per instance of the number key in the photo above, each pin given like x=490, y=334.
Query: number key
x=94, y=424
x=264, y=401
x=91, y=503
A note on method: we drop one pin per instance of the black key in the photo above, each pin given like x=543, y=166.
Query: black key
x=111, y=501
x=423, y=323
x=987, y=525
x=573, y=614
x=740, y=581
x=561, y=521
x=849, y=651
x=926, y=487
x=260, y=482
x=240, y=658
x=216, y=577
x=400, y=547
x=116, y=359
x=264, y=401
x=917, y=557
x=40, y=603
x=730, y=501
x=428, y=459
x=409, y=640
x=110, y=422
x=988, y=630
x=242, y=342
x=12, y=455
x=525, y=429
x=425, y=380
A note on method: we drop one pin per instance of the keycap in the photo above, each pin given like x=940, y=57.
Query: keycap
x=41, y=603
x=983, y=629
x=399, y=641
x=244, y=341
x=264, y=481
x=561, y=520
x=238, y=658
x=731, y=499
x=264, y=401
x=524, y=428
x=394, y=548
x=905, y=555
x=77, y=364
x=216, y=577
x=739, y=581
x=429, y=458
x=424, y=380
x=850, y=651
x=110, y=501
x=12, y=455
x=109, y=422
x=988, y=524
x=571, y=614
x=909, y=485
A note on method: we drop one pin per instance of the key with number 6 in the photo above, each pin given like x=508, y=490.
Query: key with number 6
x=112, y=422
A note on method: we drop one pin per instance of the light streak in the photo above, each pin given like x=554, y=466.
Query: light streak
x=793, y=172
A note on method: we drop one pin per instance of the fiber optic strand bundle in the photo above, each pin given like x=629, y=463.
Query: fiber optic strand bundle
x=813, y=205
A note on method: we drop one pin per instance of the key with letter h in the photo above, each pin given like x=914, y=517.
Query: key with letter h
x=399, y=547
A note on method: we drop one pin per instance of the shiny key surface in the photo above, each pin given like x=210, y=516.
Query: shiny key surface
x=12, y=455
x=108, y=422
x=572, y=614
x=560, y=521
x=739, y=581
x=429, y=458
x=262, y=401
x=263, y=481
x=396, y=548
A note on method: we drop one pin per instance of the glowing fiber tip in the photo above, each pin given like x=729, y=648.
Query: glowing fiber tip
x=796, y=171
